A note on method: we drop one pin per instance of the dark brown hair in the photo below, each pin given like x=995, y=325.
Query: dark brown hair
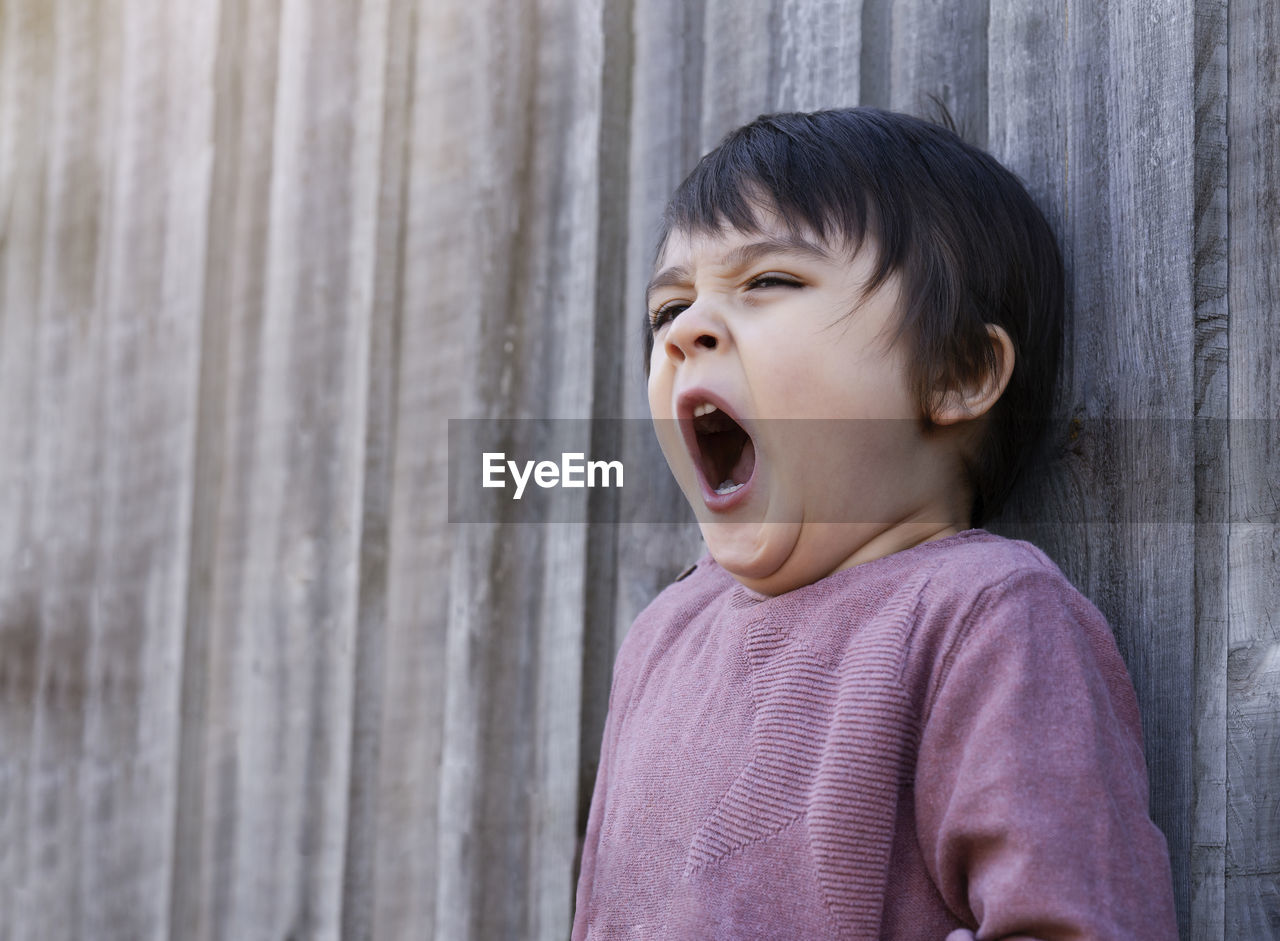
x=969, y=244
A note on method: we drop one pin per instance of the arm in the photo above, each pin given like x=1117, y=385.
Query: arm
x=1031, y=785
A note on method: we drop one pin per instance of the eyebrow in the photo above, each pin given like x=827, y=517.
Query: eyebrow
x=740, y=257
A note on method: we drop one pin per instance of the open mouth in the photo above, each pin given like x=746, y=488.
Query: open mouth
x=725, y=454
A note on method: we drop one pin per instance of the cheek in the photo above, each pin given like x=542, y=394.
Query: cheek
x=659, y=402
x=664, y=424
x=659, y=393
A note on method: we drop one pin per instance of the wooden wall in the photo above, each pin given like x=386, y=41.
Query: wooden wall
x=255, y=254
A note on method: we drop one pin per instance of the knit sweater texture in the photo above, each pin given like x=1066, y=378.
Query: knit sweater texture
x=945, y=737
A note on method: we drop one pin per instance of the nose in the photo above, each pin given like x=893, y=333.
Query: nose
x=697, y=329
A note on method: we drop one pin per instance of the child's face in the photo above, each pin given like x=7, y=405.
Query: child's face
x=770, y=329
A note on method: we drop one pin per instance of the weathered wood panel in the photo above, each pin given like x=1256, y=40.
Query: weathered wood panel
x=938, y=54
x=377, y=246
x=102, y=322
x=1133, y=271
x=151, y=280
x=42, y=758
x=270, y=710
x=1253, y=665
x=1095, y=111
x=207, y=825
x=1208, y=819
x=508, y=803
x=256, y=253
x=26, y=72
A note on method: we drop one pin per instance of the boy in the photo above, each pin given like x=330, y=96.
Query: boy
x=857, y=717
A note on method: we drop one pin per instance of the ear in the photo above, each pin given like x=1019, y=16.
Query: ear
x=969, y=402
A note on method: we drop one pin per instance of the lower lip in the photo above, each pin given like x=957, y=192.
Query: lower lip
x=723, y=502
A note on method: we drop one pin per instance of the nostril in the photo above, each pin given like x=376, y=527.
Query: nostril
x=706, y=341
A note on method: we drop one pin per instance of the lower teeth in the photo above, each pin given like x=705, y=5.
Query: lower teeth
x=728, y=487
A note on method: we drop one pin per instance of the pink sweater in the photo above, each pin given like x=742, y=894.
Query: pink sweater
x=945, y=737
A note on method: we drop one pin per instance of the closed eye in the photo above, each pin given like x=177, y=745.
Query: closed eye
x=663, y=315
x=660, y=316
x=772, y=280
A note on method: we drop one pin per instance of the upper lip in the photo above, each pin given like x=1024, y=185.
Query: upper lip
x=690, y=399
x=686, y=402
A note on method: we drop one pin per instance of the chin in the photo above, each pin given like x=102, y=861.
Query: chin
x=763, y=559
x=783, y=559
x=787, y=578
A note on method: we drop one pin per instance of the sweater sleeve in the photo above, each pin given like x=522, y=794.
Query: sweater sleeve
x=1031, y=789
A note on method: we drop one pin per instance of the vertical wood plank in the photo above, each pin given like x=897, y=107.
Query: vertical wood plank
x=740, y=66
x=294, y=712
x=377, y=251
x=1253, y=666
x=1114, y=168
x=875, y=75
x=1212, y=476
x=434, y=285
x=568, y=191
x=150, y=280
x=239, y=299
x=495, y=139
x=208, y=823
x=818, y=55
x=508, y=787
x=66, y=497
x=939, y=51
x=271, y=704
x=1131, y=147
x=1028, y=87
x=615, y=381
x=775, y=55
x=27, y=66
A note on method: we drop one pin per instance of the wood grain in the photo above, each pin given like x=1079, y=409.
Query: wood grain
x=1212, y=475
x=1253, y=664
x=1134, y=359
x=1102, y=163
x=207, y=825
x=666, y=138
x=151, y=278
x=938, y=53
x=256, y=254
x=68, y=363
x=508, y=791
x=26, y=83
x=436, y=282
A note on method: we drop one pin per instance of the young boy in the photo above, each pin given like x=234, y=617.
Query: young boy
x=857, y=717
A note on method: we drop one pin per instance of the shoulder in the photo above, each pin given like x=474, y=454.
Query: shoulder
x=691, y=592
x=977, y=561
x=1002, y=609
x=694, y=594
x=928, y=597
x=974, y=601
x=993, y=583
